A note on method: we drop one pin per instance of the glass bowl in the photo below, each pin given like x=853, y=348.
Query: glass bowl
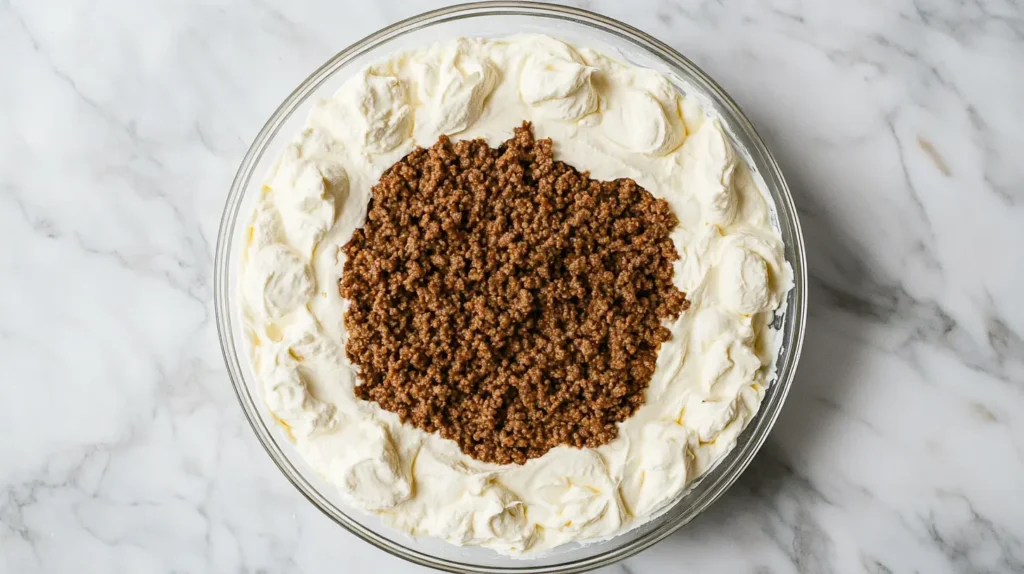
x=495, y=19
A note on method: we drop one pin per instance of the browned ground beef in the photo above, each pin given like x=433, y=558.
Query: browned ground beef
x=506, y=300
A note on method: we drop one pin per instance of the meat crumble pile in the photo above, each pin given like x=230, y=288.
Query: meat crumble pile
x=507, y=301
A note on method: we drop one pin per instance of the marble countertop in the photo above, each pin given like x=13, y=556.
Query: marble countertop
x=898, y=123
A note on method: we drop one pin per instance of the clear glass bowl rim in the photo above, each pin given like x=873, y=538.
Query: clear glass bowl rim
x=722, y=475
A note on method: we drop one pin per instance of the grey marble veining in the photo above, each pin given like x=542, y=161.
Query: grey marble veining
x=899, y=125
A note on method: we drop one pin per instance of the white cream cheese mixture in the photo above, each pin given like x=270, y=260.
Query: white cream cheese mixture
x=606, y=117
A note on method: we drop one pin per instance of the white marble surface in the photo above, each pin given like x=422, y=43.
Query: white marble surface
x=899, y=124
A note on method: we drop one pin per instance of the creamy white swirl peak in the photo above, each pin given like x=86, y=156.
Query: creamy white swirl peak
x=605, y=116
